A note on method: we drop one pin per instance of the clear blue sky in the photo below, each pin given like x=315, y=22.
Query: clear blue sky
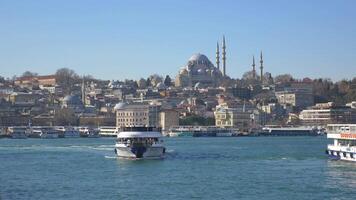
x=133, y=39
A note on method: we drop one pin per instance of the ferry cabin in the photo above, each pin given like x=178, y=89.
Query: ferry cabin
x=139, y=142
x=344, y=141
x=109, y=131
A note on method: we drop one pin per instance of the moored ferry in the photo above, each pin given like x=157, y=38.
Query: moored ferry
x=109, y=131
x=140, y=142
x=45, y=132
x=67, y=132
x=18, y=132
x=201, y=131
x=290, y=131
x=344, y=145
x=88, y=132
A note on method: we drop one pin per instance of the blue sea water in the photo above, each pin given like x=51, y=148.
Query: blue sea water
x=194, y=168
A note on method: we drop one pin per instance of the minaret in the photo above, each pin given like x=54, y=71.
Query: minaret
x=217, y=56
x=224, y=56
x=83, y=91
x=253, y=67
x=261, y=67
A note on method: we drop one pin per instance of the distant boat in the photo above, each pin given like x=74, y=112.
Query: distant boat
x=18, y=132
x=289, y=131
x=88, y=132
x=109, y=131
x=45, y=132
x=140, y=142
x=344, y=144
x=200, y=131
x=67, y=132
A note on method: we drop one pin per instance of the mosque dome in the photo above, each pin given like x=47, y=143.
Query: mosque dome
x=199, y=58
x=198, y=69
x=119, y=106
x=72, y=100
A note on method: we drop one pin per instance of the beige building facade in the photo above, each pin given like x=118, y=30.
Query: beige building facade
x=168, y=119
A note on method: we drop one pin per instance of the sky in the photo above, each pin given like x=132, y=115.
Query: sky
x=129, y=39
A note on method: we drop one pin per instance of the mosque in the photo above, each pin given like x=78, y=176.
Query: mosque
x=201, y=72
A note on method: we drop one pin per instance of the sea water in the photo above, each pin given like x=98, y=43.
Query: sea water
x=194, y=168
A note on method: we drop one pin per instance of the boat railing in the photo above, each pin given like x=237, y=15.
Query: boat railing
x=141, y=129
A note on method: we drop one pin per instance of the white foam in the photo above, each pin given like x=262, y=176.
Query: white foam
x=110, y=157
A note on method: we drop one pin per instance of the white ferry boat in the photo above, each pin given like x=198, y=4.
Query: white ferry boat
x=140, y=142
x=68, y=132
x=289, y=131
x=18, y=132
x=200, y=131
x=88, y=132
x=45, y=132
x=109, y=131
x=344, y=146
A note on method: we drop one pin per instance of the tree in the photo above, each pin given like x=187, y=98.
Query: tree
x=148, y=82
x=168, y=81
x=29, y=74
x=197, y=121
x=247, y=78
x=65, y=117
x=2, y=79
x=155, y=79
x=283, y=78
x=142, y=83
x=66, y=78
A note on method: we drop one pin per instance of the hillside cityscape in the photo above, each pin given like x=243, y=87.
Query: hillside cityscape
x=172, y=100
x=201, y=94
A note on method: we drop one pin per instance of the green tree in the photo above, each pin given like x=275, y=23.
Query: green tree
x=195, y=120
x=168, y=81
x=65, y=117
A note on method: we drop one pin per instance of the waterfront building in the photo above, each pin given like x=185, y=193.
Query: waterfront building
x=299, y=95
x=130, y=115
x=137, y=114
x=168, y=119
x=243, y=116
x=327, y=113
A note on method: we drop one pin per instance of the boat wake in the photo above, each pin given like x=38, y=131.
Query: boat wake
x=110, y=157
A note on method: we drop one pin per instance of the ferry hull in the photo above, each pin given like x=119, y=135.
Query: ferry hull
x=341, y=155
x=49, y=136
x=140, y=152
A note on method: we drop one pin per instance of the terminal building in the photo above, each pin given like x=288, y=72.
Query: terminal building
x=327, y=113
x=244, y=116
x=148, y=115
